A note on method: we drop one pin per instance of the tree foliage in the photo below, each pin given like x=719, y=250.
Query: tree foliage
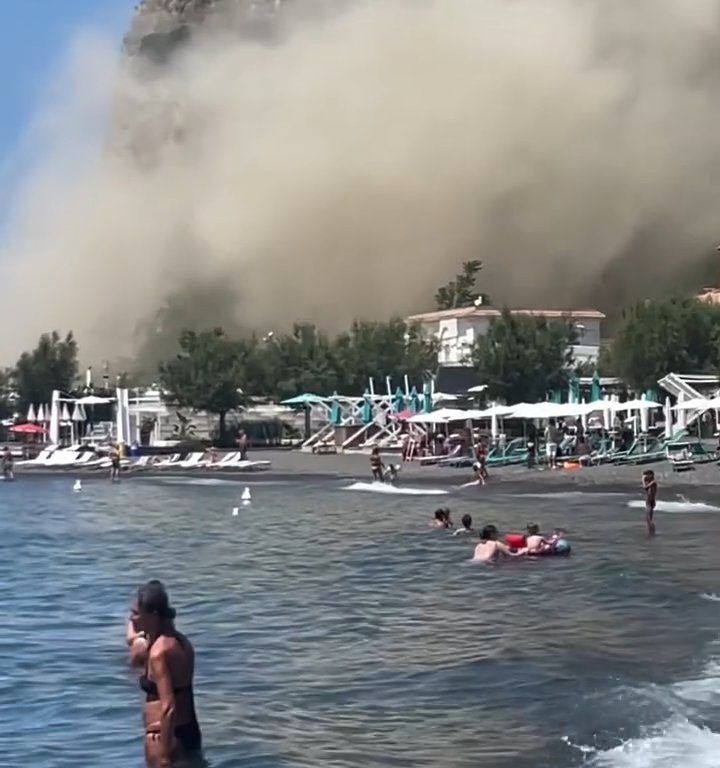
x=462, y=291
x=680, y=335
x=522, y=357
x=53, y=364
x=205, y=375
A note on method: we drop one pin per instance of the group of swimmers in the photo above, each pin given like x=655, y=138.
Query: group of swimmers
x=167, y=660
x=490, y=549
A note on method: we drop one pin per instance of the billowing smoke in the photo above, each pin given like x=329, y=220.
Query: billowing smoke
x=345, y=163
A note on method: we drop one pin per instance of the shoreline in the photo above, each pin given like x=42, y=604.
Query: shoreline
x=302, y=467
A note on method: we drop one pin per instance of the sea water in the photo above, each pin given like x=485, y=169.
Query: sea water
x=338, y=629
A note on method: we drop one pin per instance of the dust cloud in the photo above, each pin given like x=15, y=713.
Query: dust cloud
x=344, y=164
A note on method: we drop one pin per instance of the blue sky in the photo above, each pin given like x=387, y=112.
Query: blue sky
x=36, y=34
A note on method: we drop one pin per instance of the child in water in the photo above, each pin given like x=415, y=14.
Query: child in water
x=466, y=526
x=649, y=484
x=441, y=519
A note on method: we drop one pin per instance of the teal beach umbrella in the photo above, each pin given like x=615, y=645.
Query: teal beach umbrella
x=367, y=409
x=427, y=398
x=595, y=388
x=335, y=410
x=398, y=401
x=415, y=404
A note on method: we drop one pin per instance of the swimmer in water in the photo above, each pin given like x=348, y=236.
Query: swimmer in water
x=466, y=526
x=441, y=519
x=377, y=465
x=490, y=550
x=171, y=726
x=649, y=484
x=537, y=544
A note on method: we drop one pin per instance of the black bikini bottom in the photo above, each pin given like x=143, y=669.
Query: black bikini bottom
x=188, y=736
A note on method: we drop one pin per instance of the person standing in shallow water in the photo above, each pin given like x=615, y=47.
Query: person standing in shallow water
x=8, y=464
x=114, y=455
x=650, y=487
x=171, y=727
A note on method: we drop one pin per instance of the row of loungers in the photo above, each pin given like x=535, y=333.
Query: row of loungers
x=75, y=458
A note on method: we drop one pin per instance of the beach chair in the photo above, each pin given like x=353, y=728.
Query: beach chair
x=680, y=458
x=173, y=461
x=193, y=461
x=228, y=458
x=245, y=466
x=39, y=461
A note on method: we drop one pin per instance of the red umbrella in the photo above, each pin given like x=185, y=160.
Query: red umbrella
x=28, y=429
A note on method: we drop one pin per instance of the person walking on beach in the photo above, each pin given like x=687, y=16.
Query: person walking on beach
x=551, y=445
x=242, y=444
x=171, y=726
x=650, y=486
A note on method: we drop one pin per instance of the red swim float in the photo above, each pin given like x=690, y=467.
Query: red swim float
x=515, y=540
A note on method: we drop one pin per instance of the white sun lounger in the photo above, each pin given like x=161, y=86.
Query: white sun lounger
x=246, y=465
x=228, y=458
x=39, y=461
x=173, y=461
x=193, y=461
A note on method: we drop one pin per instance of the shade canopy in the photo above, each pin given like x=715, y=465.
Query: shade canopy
x=28, y=429
x=305, y=399
x=441, y=416
x=95, y=400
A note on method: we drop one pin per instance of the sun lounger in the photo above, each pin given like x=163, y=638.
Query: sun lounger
x=39, y=461
x=228, y=458
x=246, y=465
x=193, y=461
x=173, y=461
x=681, y=461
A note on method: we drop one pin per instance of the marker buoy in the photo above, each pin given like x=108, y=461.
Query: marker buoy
x=246, y=498
x=78, y=486
x=236, y=511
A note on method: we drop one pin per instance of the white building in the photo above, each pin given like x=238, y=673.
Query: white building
x=457, y=329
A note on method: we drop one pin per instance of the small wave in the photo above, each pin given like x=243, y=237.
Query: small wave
x=676, y=506
x=194, y=481
x=711, y=596
x=677, y=743
x=395, y=490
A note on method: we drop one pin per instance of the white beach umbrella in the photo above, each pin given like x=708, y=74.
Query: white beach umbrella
x=40, y=413
x=48, y=412
x=65, y=413
x=31, y=413
x=645, y=416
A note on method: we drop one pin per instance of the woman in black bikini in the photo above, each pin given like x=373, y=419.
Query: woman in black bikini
x=171, y=726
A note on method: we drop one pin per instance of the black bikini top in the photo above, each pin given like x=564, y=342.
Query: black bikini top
x=150, y=686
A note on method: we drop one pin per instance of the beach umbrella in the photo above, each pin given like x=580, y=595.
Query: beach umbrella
x=398, y=403
x=595, y=388
x=427, y=398
x=415, y=404
x=65, y=413
x=28, y=429
x=645, y=416
x=48, y=412
x=573, y=390
x=366, y=412
x=31, y=413
x=40, y=413
x=335, y=410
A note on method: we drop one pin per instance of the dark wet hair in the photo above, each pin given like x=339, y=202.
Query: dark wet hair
x=649, y=473
x=488, y=532
x=467, y=521
x=533, y=529
x=439, y=514
x=153, y=598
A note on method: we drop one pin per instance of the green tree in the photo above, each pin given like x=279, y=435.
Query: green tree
x=206, y=374
x=522, y=357
x=53, y=364
x=680, y=335
x=377, y=350
x=7, y=394
x=462, y=291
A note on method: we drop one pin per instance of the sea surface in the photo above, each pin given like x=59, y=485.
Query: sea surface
x=334, y=628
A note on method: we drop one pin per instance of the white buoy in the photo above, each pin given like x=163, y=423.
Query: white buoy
x=78, y=486
x=236, y=511
x=246, y=498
